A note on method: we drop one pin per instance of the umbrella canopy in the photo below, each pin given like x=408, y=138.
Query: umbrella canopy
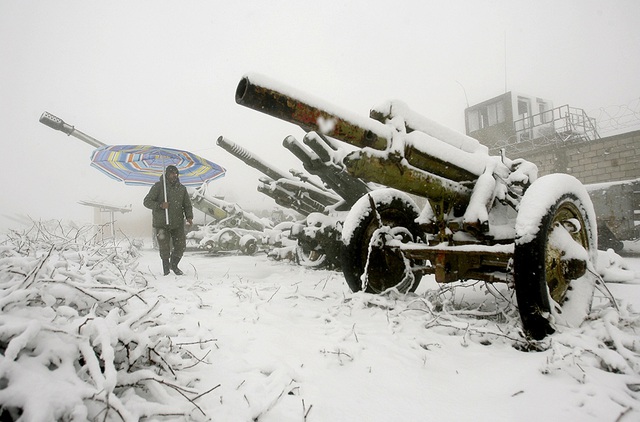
x=141, y=165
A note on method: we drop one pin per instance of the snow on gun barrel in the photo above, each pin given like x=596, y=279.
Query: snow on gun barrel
x=398, y=147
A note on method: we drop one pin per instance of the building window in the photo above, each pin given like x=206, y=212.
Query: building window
x=473, y=120
x=523, y=106
x=486, y=116
x=545, y=114
x=495, y=113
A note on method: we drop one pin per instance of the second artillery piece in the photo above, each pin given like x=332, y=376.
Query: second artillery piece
x=486, y=217
x=322, y=205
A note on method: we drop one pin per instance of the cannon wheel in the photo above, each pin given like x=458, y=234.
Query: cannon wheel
x=363, y=238
x=248, y=244
x=227, y=240
x=554, y=244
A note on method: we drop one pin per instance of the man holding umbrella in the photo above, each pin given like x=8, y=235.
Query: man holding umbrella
x=170, y=204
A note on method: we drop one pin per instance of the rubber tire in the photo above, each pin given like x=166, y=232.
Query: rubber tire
x=400, y=211
x=533, y=280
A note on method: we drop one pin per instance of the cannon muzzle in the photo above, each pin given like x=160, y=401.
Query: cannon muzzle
x=57, y=123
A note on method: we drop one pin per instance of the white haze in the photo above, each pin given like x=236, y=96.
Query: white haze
x=165, y=73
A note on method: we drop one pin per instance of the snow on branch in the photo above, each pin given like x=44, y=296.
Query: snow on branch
x=75, y=325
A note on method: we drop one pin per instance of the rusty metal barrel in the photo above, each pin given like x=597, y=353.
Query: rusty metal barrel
x=311, y=114
x=256, y=92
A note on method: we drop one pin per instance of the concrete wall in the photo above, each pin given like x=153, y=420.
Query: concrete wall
x=598, y=164
x=608, y=159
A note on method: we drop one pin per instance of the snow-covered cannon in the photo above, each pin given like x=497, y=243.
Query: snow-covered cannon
x=232, y=228
x=617, y=206
x=486, y=217
x=301, y=196
x=317, y=238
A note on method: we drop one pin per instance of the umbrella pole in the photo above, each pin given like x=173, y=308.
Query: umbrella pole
x=164, y=185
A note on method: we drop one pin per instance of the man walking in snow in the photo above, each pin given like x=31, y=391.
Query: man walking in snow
x=178, y=204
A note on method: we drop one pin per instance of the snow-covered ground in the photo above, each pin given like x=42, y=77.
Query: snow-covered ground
x=245, y=338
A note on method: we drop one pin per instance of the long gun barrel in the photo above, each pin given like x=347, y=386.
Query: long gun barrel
x=311, y=114
x=318, y=193
x=259, y=93
x=222, y=210
x=303, y=197
x=250, y=159
x=57, y=123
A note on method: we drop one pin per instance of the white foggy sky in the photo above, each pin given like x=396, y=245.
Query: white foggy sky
x=165, y=72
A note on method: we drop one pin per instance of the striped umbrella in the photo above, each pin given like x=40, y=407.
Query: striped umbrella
x=141, y=165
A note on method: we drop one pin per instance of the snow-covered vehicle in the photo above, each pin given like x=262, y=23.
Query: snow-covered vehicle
x=485, y=217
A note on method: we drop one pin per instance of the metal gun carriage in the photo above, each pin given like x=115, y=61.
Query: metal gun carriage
x=485, y=217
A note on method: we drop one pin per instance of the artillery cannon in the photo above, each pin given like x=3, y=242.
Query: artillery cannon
x=317, y=244
x=304, y=198
x=486, y=217
x=617, y=208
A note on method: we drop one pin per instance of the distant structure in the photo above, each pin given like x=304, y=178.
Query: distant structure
x=557, y=139
x=99, y=208
x=517, y=122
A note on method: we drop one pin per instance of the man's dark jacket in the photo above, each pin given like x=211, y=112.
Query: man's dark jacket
x=179, y=204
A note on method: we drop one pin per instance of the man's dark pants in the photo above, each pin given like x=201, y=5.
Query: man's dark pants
x=165, y=237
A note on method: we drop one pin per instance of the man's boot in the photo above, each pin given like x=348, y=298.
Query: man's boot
x=174, y=266
x=166, y=265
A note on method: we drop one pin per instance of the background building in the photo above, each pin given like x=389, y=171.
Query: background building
x=565, y=140
x=519, y=122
